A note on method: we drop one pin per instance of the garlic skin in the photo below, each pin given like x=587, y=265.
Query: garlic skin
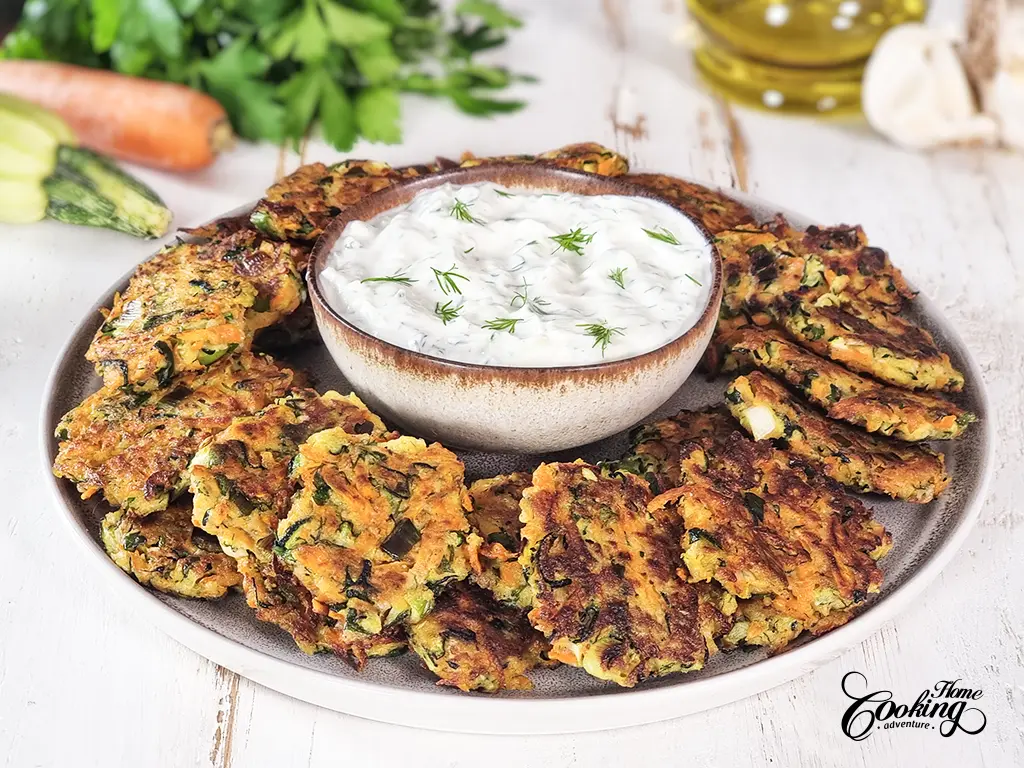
x=1005, y=102
x=915, y=91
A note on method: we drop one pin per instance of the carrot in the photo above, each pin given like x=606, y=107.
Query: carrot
x=162, y=125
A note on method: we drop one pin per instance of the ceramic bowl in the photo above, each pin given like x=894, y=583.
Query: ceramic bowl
x=496, y=408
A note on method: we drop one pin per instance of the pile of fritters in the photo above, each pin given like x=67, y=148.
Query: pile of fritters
x=224, y=469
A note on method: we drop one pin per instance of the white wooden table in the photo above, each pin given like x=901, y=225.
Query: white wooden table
x=83, y=684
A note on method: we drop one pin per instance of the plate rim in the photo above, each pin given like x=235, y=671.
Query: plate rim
x=488, y=715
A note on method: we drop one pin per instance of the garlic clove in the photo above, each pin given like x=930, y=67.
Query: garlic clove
x=915, y=91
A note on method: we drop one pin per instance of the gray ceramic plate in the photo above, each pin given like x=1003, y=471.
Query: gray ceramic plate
x=564, y=699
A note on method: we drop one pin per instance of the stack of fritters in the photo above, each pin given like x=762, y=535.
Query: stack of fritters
x=825, y=313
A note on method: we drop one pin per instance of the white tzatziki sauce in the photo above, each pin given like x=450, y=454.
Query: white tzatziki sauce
x=521, y=277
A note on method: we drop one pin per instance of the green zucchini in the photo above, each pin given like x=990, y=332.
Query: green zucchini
x=88, y=189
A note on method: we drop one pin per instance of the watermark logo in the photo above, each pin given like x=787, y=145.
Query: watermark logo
x=946, y=707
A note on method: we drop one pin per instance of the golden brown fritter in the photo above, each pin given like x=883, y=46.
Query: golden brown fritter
x=219, y=228
x=846, y=396
x=768, y=528
x=604, y=575
x=376, y=528
x=872, y=341
x=300, y=206
x=588, y=156
x=165, y=552
x=715, y=210
x=136, y=447
x=656, y=448
x=239, y=477
x=474, y=643
x=495, y=515
x=277, y=597
x=847, y=264
x=192, y=304
x=866, y=463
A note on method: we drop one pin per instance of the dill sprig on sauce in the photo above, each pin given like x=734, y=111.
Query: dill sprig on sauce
x=601, y=333
x=460, y=211
x=446, y=280
x=618, y=276
x=523, y=299
x=396, y=278
x=503, y=324
x=693, y=279
x=663, y=235
x=573, y=241
x=503, y=193
x=446, y=311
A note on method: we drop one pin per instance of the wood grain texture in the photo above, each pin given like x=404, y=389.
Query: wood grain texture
x=83, y=684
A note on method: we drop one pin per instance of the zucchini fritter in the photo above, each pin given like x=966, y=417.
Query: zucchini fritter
x=657, y=448
x=191, y=305
x=135, y=447
x=165, y=552
x=239, y=478
x=495, y=515
x=714, y=209
x=847, y=263
x=242, y=489
x=300, y=206
x=775, y=533
x=604, y=575
x=277, y=597
x=872, y=341
x=376, y=528
x=588, y=156
x=474, y=643
x=866, y=463
x=844, y=395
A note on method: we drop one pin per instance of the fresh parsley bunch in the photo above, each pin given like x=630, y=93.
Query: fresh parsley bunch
x=278, y=66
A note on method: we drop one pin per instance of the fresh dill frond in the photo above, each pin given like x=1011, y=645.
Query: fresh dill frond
x=396, y=278
x=503, y=324
x=460, y=211
x=503, y=193
x=663, y=235
x=446, y=311
x=446, y=280
x=522, y=299
x=695, y=280
x=573, y=241
x=618, y=276
x=601, y=333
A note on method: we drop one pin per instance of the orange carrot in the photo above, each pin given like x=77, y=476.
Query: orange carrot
x=162, y=125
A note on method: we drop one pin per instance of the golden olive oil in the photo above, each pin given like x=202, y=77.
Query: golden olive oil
x=793, y=55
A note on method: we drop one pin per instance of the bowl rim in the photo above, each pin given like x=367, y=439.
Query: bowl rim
x=513, y=174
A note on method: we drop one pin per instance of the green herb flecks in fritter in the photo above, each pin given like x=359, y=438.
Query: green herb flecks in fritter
x=847, y=396
x=135, y=447
x=603, y=570
x=191, y=305
x=767, y=527
x=868, y=340
x=495, y=516
x=165, y=552
x=377, y=528
x=240, y=477
x=472, y=642
x=864, y=462
x=656, y=448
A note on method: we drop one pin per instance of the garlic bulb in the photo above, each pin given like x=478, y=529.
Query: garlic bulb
x=916, y=93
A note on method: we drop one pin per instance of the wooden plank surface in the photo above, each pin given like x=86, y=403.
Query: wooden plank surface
x=82, y=683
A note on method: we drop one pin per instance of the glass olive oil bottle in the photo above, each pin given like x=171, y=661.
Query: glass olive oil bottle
x=803, y=56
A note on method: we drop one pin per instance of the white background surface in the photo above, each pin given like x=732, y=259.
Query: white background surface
x=83, y=684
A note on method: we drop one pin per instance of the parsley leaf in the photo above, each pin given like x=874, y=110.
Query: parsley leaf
x=377, y=113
